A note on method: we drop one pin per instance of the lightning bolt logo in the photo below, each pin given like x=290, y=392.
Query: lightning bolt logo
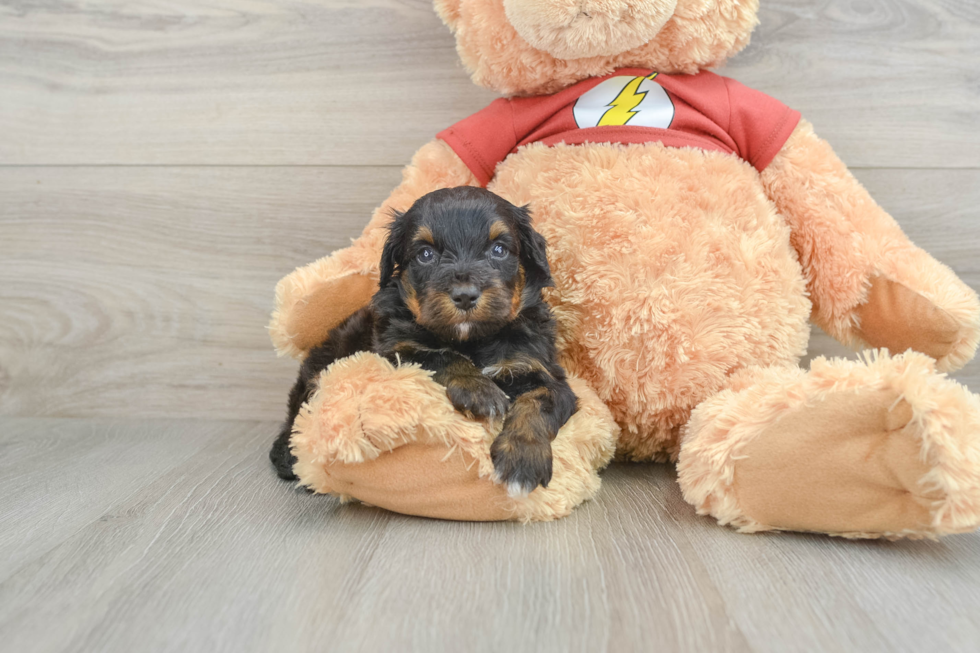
x=621, y=109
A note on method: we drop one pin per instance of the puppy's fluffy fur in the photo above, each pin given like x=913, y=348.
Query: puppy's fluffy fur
x=460, y=294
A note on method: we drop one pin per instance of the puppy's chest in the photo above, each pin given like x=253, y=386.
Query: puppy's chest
x=485, y=354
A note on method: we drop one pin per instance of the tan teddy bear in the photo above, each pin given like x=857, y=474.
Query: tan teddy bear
x=694, y=225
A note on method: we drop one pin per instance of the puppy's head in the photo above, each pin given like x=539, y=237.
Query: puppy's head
x=466, y=262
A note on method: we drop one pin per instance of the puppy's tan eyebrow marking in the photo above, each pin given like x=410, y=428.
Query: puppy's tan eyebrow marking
x=424, y=234
x=498, y=229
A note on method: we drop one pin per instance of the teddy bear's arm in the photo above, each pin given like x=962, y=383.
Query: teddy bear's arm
x=317, y=297
x=868, y=283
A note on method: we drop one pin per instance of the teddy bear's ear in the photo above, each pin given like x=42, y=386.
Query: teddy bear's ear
x=448, y=11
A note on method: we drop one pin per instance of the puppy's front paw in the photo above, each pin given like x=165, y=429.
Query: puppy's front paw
x=521, y=463
x=477, y=395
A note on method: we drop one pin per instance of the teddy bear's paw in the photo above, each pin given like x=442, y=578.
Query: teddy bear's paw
x=884, y=447
x=898, y=318
x=310, y=302
x=521, y=461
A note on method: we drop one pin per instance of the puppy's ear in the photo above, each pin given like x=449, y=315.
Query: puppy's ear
x=394, y=249
x=534, y=255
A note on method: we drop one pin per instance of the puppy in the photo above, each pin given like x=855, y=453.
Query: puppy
x=460, y=294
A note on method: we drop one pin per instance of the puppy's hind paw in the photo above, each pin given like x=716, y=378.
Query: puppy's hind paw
x=282, y=458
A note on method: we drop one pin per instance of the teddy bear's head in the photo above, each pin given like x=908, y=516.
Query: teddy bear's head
x=531, y=47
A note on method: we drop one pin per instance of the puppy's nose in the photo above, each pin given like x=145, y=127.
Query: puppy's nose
x=464, y=296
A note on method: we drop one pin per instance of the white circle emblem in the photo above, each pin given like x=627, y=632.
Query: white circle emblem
x=633, y=101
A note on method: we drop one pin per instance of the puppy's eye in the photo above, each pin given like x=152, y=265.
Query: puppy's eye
x=426, y=255
x=498, y=251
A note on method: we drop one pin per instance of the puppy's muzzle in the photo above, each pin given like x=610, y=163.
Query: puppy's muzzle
x=465, y=296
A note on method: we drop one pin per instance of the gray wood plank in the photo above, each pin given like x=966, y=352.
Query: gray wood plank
x=618, y=569
x=888, y=82
x=872, y=75
x=219, y=553
x=216, y=553
x=192, y=560
x=799, y=592
x=145, y=292
x=259, y=82
x=57, y=476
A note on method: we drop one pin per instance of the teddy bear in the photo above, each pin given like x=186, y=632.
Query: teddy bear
x=694, y=227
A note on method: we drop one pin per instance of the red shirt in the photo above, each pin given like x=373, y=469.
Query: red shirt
x=630, y=105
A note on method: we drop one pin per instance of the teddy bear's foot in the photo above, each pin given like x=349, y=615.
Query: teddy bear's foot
x=879, y=448
x=389, y=436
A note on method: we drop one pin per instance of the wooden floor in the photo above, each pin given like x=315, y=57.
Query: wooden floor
x=163, y=164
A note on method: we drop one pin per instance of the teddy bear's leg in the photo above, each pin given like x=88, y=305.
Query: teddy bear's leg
x=315, y=298
x=884, y=447
x=868, y=283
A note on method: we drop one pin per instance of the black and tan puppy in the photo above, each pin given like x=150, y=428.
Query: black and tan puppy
x=460, y=294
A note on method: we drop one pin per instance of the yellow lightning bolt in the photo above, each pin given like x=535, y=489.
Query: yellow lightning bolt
x=621, y=109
